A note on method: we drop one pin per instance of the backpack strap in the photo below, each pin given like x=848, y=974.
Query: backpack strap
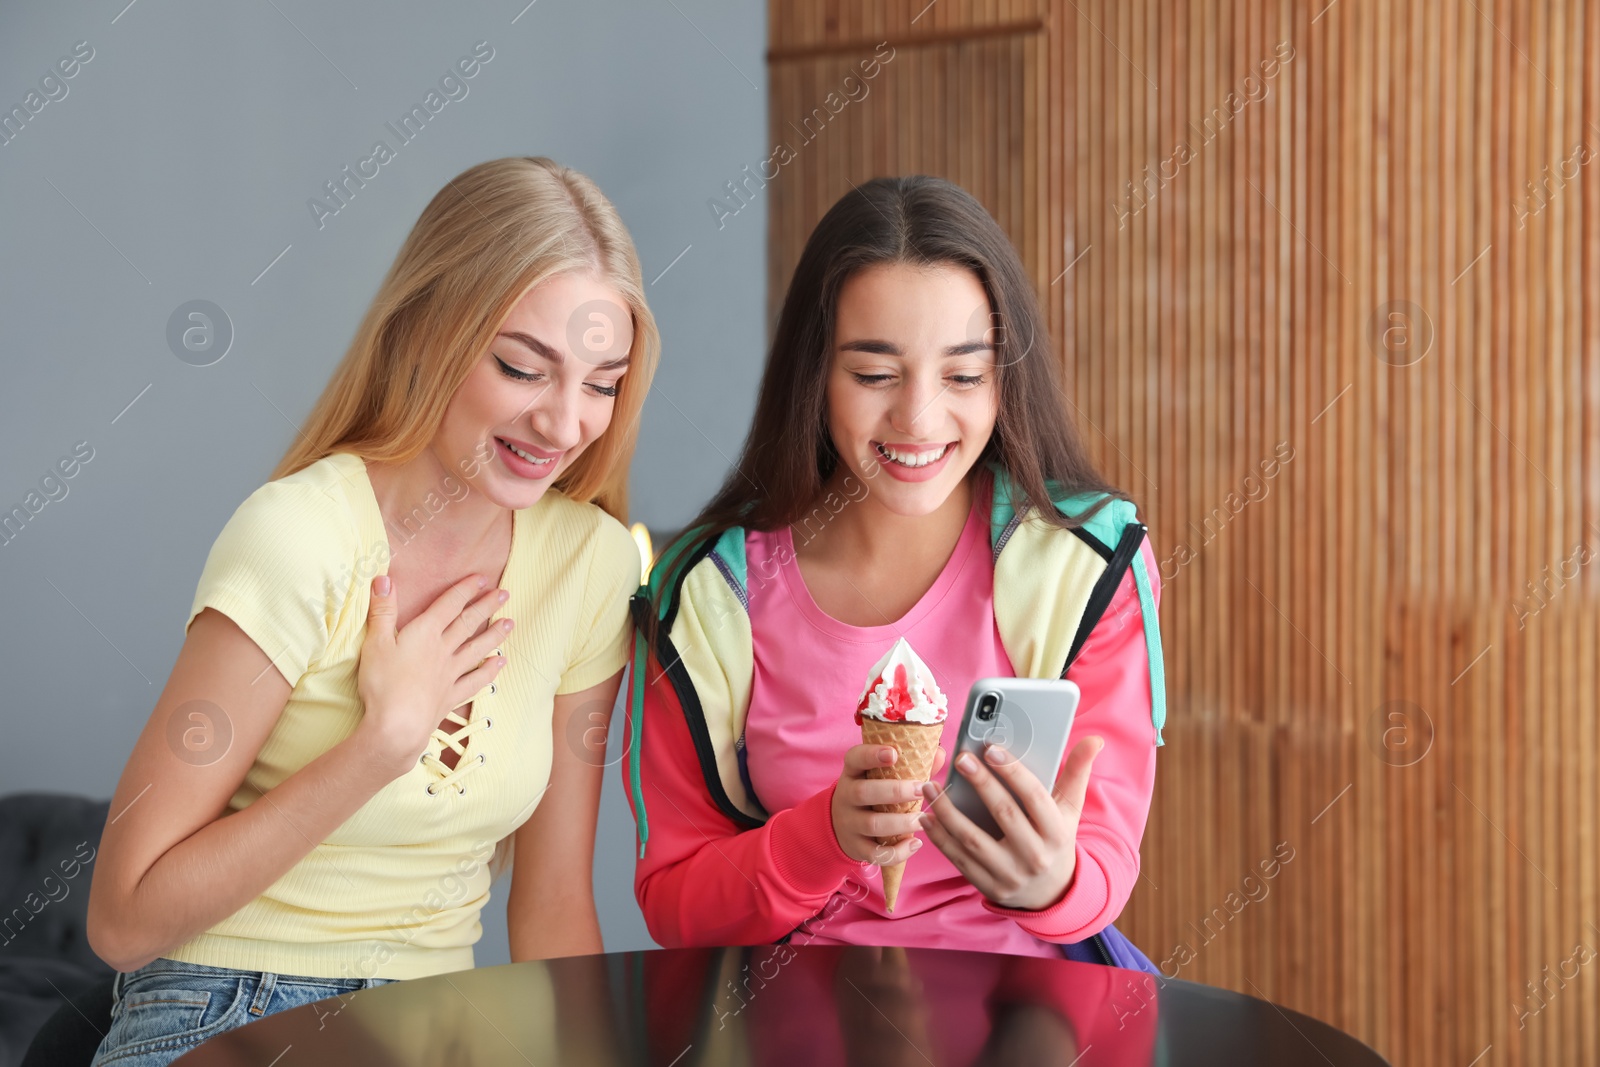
x=667, y=572
x=640, y=606
x=667, y=578
x=1106, y=588
x=1152, y=644
x=1116, y=534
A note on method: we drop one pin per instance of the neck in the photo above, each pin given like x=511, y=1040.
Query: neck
x=424, y=503
x=871, y=536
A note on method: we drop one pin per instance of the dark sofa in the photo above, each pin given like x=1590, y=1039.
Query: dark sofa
x=48, y=842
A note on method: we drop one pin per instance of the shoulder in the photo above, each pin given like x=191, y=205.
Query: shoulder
x=677, y=557
x=581, y=520
x=285, y=563
x=1107, y=524
x=765, y=552
x=1117, y=534
x=1101, y=518
x=1105, y=549
x=305, y=515
x=613, y=555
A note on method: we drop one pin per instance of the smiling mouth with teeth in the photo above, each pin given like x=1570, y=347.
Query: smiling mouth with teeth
x=912, y=459
x=524, y=455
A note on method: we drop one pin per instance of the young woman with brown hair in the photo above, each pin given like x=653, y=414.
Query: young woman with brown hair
x=910, y=473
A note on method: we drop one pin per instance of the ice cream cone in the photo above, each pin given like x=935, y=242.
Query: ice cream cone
x=901, y=706
x=918, y=745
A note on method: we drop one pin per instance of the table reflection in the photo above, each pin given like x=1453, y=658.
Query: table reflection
x=780, y=1005
x=893, y=1005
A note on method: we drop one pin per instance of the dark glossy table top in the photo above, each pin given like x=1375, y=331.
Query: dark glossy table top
x=782, y=1005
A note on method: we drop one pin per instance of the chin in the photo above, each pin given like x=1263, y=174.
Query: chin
x=508, y=490
x=914, y=509
x=908, y=499
x=913, y=501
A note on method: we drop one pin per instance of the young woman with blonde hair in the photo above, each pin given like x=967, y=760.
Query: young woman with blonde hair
x=353, y=735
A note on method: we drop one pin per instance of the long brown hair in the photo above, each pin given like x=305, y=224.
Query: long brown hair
x=920, y=221
x=491, y=234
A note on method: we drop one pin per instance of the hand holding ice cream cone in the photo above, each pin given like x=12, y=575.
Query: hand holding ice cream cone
x=858, y=822
x=877, y=799
x=902, y=707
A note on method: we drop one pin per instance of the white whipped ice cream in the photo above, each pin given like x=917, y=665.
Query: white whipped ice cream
x=901, y=689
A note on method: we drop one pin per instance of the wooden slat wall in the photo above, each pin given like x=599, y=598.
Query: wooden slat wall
x=1378, y=662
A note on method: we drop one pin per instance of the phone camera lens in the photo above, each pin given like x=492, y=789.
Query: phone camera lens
x=987, y=705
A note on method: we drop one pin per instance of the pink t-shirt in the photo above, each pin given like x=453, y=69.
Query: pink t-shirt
x=809, y=670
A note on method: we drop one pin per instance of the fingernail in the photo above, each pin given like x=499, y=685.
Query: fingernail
x=885, y=755
x=382, y=584
x=504, y=596
x=505, y=624
x=929, y=792
x=994, y=755
x=925, y=821
x=916, y=843
x=966, y=762
x=482, y=581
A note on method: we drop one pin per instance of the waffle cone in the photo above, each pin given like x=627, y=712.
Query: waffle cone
x=918, y=745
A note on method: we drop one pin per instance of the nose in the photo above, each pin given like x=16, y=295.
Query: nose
x=555, y=418
x=914, y=404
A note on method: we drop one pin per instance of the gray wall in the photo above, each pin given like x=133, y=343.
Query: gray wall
x=176, y=164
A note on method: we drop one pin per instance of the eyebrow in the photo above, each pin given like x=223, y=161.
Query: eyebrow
x=889, y=348
x=539, y=348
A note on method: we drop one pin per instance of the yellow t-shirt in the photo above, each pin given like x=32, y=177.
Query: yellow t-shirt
x=395, y=892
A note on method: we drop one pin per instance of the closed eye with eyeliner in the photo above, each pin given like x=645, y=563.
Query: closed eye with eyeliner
x=600, y=388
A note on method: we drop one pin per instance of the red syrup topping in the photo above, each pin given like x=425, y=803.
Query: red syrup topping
x=899, y=701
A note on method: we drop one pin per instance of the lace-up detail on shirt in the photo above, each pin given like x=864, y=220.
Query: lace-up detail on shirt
x=449, y=776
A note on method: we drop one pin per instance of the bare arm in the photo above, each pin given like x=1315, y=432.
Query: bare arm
x=550, y=911
x=172, y=861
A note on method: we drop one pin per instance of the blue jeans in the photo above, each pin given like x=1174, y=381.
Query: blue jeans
x=166, y=1008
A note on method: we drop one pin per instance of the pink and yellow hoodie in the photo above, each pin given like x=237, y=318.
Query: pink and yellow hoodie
x=716, y=868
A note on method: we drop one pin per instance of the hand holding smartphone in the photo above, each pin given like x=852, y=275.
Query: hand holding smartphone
x=1030, y=717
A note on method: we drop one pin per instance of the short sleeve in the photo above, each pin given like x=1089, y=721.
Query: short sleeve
x=274, y=570
x=602, y=647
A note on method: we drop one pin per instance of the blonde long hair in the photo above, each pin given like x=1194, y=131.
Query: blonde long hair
x=491, y=234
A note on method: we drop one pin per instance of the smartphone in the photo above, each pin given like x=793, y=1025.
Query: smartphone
x=1030, y=717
